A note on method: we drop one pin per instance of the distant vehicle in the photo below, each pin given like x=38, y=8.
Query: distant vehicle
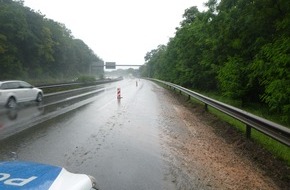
x=17, y=175
x=13, y=92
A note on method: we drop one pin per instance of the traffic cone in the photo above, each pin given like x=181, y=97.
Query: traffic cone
x=119, y=93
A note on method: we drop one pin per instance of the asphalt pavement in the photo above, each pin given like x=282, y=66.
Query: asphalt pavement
x=115, y=140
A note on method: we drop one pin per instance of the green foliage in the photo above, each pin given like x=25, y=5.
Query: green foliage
x=237, y=48
x=230, y=78
x=34, y=47
x=86, y=79
x=272, y=66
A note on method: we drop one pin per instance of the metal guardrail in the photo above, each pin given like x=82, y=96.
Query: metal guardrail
x=58, y=85
x=76, y=83
x=271, y=129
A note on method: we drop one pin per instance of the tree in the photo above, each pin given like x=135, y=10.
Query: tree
x=34, y=47
x=237, y=48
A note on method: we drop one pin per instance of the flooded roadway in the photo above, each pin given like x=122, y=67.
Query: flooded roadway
x=116, y=141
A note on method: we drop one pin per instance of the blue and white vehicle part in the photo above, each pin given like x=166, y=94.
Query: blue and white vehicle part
x=16, y=175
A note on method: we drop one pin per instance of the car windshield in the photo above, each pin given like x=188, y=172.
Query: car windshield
x=25, y=85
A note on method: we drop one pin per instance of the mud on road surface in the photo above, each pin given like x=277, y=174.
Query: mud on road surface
x=198, y=144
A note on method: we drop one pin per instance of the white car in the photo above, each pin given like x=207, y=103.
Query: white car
x=13, y=92
x=18, y=175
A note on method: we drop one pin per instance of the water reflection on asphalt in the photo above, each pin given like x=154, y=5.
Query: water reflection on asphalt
x=116, y=141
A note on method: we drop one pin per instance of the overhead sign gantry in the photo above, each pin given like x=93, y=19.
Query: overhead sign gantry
x=110, y=65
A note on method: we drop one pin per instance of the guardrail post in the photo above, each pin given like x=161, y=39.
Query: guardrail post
x=275, y=131
x=188, y=98
x=248, y=131
x=205, y=107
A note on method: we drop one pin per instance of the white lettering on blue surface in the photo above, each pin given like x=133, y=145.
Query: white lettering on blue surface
x=5, y=178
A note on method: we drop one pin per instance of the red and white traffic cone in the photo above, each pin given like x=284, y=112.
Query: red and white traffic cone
x=119, y=93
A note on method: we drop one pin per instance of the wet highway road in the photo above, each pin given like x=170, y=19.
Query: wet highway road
x=146, y=140
x=116, y=141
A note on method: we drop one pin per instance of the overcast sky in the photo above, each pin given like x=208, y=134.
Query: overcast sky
x=120, y=31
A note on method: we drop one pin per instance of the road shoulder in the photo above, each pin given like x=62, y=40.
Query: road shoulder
x=198, y=144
